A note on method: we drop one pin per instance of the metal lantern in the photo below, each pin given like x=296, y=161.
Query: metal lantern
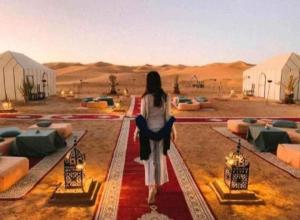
x=236, y=171
x=7, y=105
x=74, y=169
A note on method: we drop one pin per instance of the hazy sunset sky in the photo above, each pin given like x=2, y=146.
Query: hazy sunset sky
x=192, y=32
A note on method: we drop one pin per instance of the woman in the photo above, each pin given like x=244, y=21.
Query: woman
x=155, y=108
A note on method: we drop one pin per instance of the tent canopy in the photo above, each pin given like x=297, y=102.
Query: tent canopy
x=15, y=68
x=277, y=71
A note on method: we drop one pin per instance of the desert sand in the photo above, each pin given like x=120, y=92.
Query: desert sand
x=204, y=156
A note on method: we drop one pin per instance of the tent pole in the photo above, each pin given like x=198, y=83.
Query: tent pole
x=4, y=82
x=15, y=81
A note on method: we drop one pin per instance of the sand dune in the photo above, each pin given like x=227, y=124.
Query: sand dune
x=71, y=73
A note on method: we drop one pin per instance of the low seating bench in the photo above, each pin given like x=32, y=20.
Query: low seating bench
x=238, y=126
x=99, y=105
x=63, y=129
x=5, y=145
x=12, y=169
x=289, y=153
x=266, y=139
x=183, y=103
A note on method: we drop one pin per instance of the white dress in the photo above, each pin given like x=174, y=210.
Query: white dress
x=156, y=172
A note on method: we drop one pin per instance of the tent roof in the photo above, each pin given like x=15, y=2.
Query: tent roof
x=277, y=62
x=25, y=61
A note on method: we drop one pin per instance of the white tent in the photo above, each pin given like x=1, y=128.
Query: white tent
x=15, y=68
x=264, y=79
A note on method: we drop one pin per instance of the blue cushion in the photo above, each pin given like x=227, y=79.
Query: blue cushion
x=88, y=99
x=44, y=124
x=9, y=132
x=108, y=99
x=201, y=99
x=250, y=120
x=183, y=99
x=284, y=124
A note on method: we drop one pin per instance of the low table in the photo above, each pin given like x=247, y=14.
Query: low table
x=238, y=126
x=63, y=129
x=38, y=143
x=266, y=139
x=12, y=169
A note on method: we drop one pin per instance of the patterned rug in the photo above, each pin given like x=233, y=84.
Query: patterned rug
x=124, y=193
x=269, y=157
x=135, y=107
x=40, y=170
x=73, y=117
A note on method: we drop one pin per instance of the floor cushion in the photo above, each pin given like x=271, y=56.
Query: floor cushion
x=239, y=126
x=9, y=132
x=108, y=99
x=99, y=105
x=289, y=153
x=249, y=120
x=5, y=145
x=12, y=169
x=44, y=124
x=284, y=124
x=63, y=129
x=201, y=99
x=188, y=107
x=87, y=99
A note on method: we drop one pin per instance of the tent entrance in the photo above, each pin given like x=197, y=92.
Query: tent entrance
x=262, y=85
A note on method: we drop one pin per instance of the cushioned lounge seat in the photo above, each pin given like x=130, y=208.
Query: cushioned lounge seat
x=63, y=129
x=12, y=169
x=201, y=99
x=99, y=105
x=188, y=107
x=289, y=153
x=239, y=126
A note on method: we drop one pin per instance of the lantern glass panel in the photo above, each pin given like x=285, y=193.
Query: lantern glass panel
x=236, y=171
x=74, y=177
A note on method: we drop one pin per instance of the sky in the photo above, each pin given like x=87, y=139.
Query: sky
x=137, y=32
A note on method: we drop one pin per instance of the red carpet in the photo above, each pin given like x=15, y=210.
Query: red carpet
x=124, y=193
x=61, y=116
x=170, y=200
x=20, y=116
x=85, y=117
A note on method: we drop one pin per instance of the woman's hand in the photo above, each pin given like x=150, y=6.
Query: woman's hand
x=136, y=135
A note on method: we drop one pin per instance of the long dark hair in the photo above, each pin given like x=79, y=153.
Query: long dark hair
x=153, y=87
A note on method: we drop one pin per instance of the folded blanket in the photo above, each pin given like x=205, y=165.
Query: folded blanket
x=284, y=124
